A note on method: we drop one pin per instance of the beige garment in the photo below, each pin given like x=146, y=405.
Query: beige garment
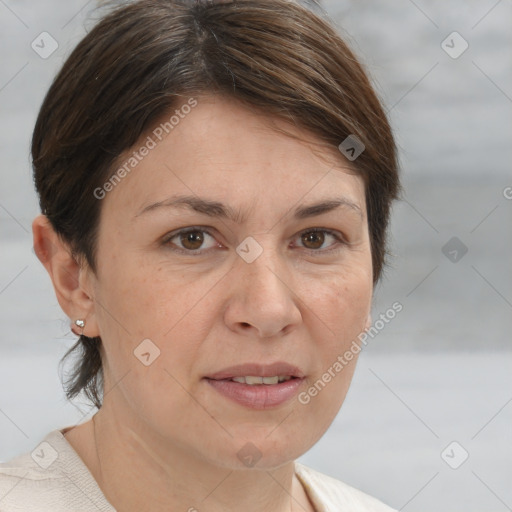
x=53, y=478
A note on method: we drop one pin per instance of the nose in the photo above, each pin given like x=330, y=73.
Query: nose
x=262, y=301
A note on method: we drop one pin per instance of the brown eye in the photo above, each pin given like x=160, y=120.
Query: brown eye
x=313, y=239
x=192, y=240
x=189, y=241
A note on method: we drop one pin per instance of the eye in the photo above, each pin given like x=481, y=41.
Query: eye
x=189, y=240
x=313, y=240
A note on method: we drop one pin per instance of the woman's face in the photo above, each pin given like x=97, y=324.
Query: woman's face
x=253, y=293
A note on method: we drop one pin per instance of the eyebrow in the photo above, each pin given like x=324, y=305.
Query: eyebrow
x=218, y=209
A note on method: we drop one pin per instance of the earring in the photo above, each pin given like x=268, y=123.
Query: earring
x=79, y=323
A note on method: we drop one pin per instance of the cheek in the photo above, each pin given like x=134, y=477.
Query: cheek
x=140, y=297
x=342, y=301
x=342, y=306
x=142, y=301
x=152, y=336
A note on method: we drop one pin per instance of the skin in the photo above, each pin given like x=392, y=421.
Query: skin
x=164, y=439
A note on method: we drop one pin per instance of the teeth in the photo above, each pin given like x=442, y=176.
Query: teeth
x=253, y=380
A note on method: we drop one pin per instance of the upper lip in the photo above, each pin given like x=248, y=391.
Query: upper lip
x=257, y=370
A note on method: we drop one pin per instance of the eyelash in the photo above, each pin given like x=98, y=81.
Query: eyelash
x=201, y=229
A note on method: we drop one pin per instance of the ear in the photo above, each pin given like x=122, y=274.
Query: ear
x=71, y=281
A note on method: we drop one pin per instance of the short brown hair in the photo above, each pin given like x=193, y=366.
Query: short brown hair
x=144, y=56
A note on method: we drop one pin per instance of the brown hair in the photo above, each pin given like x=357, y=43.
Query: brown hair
x=142, y=58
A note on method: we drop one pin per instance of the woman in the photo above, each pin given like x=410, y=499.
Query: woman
x=215, y=181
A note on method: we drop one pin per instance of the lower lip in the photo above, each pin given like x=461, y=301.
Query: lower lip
x=259, y=396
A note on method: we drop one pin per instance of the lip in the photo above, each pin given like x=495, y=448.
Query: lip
x=261, y=370
x=259, y=396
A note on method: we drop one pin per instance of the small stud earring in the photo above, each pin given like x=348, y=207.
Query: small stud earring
x=79, y=323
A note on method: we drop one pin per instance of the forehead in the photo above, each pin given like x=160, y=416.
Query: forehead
x=220, y=148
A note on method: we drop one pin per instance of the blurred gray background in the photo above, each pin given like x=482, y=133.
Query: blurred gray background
x=440, y=371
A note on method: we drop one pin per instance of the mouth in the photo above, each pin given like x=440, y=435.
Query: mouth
x=258, y=386
x=253, y=380
x=254, y=373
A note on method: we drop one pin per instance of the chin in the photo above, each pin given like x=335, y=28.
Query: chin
x=262, y=449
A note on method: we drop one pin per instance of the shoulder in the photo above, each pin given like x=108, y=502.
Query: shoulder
x=24, y=485
x=51, y=477
x=329, y=494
